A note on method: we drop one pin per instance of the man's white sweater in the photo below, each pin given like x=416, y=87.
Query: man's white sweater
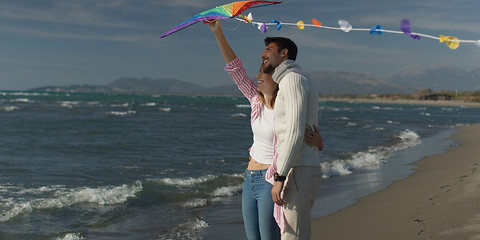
x=296, y=107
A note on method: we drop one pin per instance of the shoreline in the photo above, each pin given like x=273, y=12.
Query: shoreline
x=438, y=201
x=451, y=103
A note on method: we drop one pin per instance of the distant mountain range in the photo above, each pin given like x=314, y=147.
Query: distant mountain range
x=438, y=78
x=329, y=82
x=407, y=80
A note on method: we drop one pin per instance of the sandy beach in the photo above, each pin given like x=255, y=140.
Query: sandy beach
x=439, y=201
x=406, y=101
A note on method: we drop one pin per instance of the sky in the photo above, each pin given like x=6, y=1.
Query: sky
x=65, y=42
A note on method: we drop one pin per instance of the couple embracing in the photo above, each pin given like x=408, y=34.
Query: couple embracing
x=283, y=175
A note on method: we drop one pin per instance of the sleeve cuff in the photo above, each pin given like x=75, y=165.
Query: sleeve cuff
x=234, y=65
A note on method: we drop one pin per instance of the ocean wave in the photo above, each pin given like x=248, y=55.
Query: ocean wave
x=194, y=203
x=121, y=113
x=71, y=236
x=165, y=109
x=120, y=105
x=23, y=201
x=185, y=182
x=69, y=104
x=227, y=191
x=191, y=181
x=23, y=94
x=335, y=109
x=242, y=105
x=387, y=108
x=9, y=108
x=350, y=124
x=22, y=100
x=239, y=115
x=186, y=230
x=208, y=189
x=372, y=158
x=218, y=195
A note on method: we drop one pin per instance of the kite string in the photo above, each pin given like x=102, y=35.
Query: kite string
x=356, y=29
x=232, y=29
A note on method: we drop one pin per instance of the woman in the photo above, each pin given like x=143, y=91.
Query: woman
x=257, y=203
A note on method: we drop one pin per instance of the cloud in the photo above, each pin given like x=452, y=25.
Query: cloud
x=87, y=20
x=68, y=13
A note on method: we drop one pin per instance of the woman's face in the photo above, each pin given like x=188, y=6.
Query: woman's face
x=265, y=85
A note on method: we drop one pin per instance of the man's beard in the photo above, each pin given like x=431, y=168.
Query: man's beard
x=269, y=69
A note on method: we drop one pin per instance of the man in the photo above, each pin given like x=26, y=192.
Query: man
x=298, y=173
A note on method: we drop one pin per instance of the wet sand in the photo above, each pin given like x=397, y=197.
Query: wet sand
x=441, y=200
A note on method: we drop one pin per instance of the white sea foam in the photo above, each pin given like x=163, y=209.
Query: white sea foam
x=239, y=115
x=242, y=105
x=69, y=104
x=23, y=94
x=9, y=108
x=372, y=158
x=217, y=195
x=227, y=191
x=185, y=182
x=194, y=203
x=120, y=113
x=386, y=108
x=408, y=139
x=187, y=230
x=22, y=100
x=27, y=200
x=99, y=196
x=165, y=109
x=72, y=236
x=120, y=105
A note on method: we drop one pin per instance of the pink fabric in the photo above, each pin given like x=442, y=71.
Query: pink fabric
x=245, y=85
x=277, y=209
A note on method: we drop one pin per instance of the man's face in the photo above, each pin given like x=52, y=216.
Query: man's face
x=272, y=57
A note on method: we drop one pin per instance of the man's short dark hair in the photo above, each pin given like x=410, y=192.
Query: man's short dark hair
x=283, y=43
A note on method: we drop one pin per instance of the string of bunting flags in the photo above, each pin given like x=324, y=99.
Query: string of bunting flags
x=405, y=26
x=234, y=9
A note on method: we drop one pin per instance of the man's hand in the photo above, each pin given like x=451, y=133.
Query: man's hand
x=313, y=138
x=277, y=193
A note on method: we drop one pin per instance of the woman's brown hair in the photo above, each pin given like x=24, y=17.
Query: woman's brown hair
x=274, y=95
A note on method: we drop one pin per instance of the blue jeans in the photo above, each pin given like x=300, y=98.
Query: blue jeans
x=257, y=207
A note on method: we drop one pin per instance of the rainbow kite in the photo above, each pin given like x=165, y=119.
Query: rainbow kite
x=225, y=11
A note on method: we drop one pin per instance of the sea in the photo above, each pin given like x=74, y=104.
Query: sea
x=149, y=166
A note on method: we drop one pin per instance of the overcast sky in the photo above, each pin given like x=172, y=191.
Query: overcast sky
x=63, y=42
